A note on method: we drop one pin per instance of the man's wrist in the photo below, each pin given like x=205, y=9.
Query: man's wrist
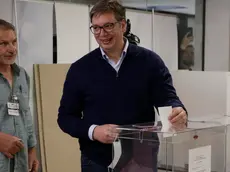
x=91, y=131
x=32, y=149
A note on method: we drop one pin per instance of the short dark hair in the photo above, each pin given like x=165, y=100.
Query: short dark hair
x=6, y=25
x=104, y=6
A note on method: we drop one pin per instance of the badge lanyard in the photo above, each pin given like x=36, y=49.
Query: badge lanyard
x=13, y=104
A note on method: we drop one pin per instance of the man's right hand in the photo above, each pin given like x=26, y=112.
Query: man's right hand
x=9, y=145
x=105, y=133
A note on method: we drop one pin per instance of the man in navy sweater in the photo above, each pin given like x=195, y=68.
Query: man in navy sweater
x=116, y=84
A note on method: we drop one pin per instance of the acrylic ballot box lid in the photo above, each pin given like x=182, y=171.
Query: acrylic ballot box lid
x=212, y=124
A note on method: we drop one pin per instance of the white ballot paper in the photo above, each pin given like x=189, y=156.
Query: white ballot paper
x=117, y=153
x=164, y=113
x=200, y=159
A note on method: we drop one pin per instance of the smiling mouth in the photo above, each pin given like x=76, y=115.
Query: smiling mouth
x=12, y=56
x=106, y=41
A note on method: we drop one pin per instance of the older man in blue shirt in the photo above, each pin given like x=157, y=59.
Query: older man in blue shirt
x=17, y=137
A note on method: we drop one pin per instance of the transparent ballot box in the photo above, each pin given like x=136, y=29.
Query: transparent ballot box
x=197, y=147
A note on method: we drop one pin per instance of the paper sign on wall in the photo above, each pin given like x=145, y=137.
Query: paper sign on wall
x=200, y=159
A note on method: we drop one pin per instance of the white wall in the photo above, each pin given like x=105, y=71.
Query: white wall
x=137, y=24
x=203, y=93
x=35, y=35
x=72, y=22
x=6, y=10
x=217, y=35
x=165, y=39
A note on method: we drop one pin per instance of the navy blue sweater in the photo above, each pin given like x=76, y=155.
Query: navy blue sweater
x=94, y=93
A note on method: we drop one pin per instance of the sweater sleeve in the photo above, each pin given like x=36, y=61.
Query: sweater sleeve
x=164, y=91
x=70, y=116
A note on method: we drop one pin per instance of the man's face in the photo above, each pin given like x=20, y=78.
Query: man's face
x=8, y=46
x=111, y=36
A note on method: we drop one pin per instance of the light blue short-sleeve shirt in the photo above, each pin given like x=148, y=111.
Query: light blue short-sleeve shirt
x=19, y=126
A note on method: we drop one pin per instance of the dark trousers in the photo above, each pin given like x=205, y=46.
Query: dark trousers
x=11, y=165
x=89, y=166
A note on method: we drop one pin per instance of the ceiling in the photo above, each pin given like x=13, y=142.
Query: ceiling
x=176, y=6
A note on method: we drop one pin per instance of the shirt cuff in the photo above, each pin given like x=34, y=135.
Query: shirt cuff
x=91, y=129
x=32, y=141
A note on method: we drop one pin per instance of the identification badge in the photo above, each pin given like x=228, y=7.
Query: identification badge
x=13, y=106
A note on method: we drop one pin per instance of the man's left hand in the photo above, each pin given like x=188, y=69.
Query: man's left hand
x=33, y=161
x=178, y=116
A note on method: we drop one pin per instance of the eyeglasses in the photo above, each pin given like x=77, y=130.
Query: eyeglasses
x=108, y=27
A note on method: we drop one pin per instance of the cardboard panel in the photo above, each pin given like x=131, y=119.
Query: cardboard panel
x=39, y=128
x=60, y=151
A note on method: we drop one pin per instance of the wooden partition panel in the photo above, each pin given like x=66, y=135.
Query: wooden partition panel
x=59, y=151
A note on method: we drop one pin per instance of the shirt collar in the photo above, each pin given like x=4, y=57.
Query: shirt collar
x=124, y=52
x=15, y=68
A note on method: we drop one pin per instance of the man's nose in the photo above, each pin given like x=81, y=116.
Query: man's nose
x=103, y=32
x=11, y=48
